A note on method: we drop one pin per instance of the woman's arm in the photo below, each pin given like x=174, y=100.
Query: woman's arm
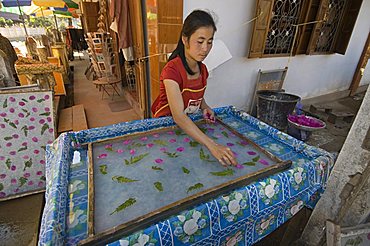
x=223, y=154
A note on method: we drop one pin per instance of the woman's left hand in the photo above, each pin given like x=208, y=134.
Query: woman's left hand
x=209, y=115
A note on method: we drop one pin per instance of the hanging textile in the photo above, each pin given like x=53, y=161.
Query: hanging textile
x=119, y=13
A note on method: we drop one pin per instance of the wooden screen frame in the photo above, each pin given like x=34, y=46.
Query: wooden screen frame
x=164, y=212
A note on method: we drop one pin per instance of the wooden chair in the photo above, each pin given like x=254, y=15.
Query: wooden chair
x=267, y=80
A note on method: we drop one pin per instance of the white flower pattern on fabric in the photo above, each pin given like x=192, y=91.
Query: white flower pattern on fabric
x=190, y=225
x=269, y=191
x=264, y=224
x=297, y=177
x=232, y=206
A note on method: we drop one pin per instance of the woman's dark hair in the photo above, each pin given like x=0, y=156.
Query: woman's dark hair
x=194, y=21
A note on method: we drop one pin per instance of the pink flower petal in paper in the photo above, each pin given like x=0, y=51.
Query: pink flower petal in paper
x=211, y=129
x=50, y=130
x=8, y=144
x=24, y=144
x=16, y=190
x=39, y=173
x=46, y=97
x=2, y=158
x=263, y=162
x=42, y=121
x=2, y=126
x=21, y=104
x=230, y=144
x=2, y=176
x=34, y=110
x=159, y=161
x=120, y=151
x=244, y=142
x=12, y=99
x=171, y=133
x=3, y=114
x=30, y=182
x=108, y=146
x=32, y=119
x=50, y=141
x=35, y=139
x=180, y=149
x=11, y=110
x=13, y=181
x=26, y=157
x=127, y=142
x=31, y=128
x=13, y=168
x=156, y=135
x=42, y=162
x=186, y=140
x=16, y=136
x=16, y=122
x=239, y=166
x=40, y=184
x=26, y=175
x=21, y=115
x=47, y=109
x=132, y=152
x=236, y=154
x=2, y=194
x=251, y=153
x=144, y=138
x=172, y=140
x=32, y=98
x=102, y=156
x=163, y=149
x=149, y=145
x=12, y=153
x=36, y=151
x=48, y=119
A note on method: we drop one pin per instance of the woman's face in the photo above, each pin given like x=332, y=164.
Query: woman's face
x=199, y=44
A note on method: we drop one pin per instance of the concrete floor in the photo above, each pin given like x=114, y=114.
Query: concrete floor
x=20, y=218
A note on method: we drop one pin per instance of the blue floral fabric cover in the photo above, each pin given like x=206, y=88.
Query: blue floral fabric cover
x=241, y=217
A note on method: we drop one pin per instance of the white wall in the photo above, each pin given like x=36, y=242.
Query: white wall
x=233, y=82
x=365, y=80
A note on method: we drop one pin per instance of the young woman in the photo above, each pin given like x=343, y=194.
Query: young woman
x=184, y=80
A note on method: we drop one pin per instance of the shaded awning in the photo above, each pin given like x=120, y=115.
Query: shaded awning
x=14, y=3
x=12, y=16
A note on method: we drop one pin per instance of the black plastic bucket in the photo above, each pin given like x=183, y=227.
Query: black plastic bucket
x=274, y=107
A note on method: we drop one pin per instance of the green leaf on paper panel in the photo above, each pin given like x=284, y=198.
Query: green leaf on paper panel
x=22, y=149
x=213, y=137
x=250, y=163
x=8, y=138
x=227, y=172
x=44, y=128
x=204, y=130
x=126, y=204
x=157, y=168
x=193, y=143
x=27, y=164
x=25, y=130
x=26, y=111
x=103, y=169
x=158, y=186
x=10, y=123
x=204, y=157
x=24, y=100
x=171, y=155
x=178, y=132
x=195, y=187
x=45, y=114
x=256, y=158
x=5, y=104
x=121, y=179
x=8, y=163
x=1, y=186
x=185, y=170
x=135, y=145
x=225, y=134
x=22, y=181
x=136, y=159
x=40, y=100
x=160, y=142
x=43, y=178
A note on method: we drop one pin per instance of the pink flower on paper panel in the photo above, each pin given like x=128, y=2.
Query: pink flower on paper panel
x=32, y=119
x=180, y=149
x=24, y=144
x=42, y=162
x=8, y=144
x=40, y=184
x=50, y=142
x=108, y=147
x=239, y=166
x=15, y=136
x=11, y=110
x=3, y=114
x=263, y=162
x=13, y=181
x=149, y=145
x=132, y=152
x=126, y=142
x=186, y=140
x=2, y=194
x=163, y=149
x=171, y=132
x=2, y=126
x=2, y=158
x=32, y=98
x=42, y=121
x=12, y=153
x=46, y=97
x=102, y=156
x=16, y=122
x=36, y=151
x=13, y=168
x=21, y=104
x=30, y=182
x=2, y=176
x=16, y=190
x=35, y=139
x=156, y=135
x=230, y=144
x=26, y=175
x=12, y=99
x=47, y=109
x=120, y=151
x=159, y=161
x=210, y=129
x=26, y=157
x=35, y=110
x=144, y=138
x=39, y=173
x=50, y=130
x=251, y=153
x=172, y=140
x=244, y=142
x=48, y=119
x=236, y=154
x=21, y=115
x=31, y=128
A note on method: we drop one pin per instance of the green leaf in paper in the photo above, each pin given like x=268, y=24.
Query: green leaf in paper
x=10, y=123
x=225, y=134
x=250, y=163
x=136, y=159
x=171, y=155
x=22, y=149
x=44, y=128
x=160, y=142
x=45, y=114
x=8, y=138
x=22, y=181
x=40, y=100
x=27, y=164
x=185, y=170
x=123, y=206
x=103, y=169
x=25, y=130
x=158, y=186
x=195, y=187
x=227, y=172
x=193, y=143
x=156, y=168
x=5, y=104
x=8, y=163
x=1, y=186
x=121, y=179
x=127, y=162
x=24, y=100
x=203, y=156
x=179, y=132
x=256, y=158
x=204, y=130
x=43, y=178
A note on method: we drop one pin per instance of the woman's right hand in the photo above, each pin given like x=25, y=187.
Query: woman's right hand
x=223, y=154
